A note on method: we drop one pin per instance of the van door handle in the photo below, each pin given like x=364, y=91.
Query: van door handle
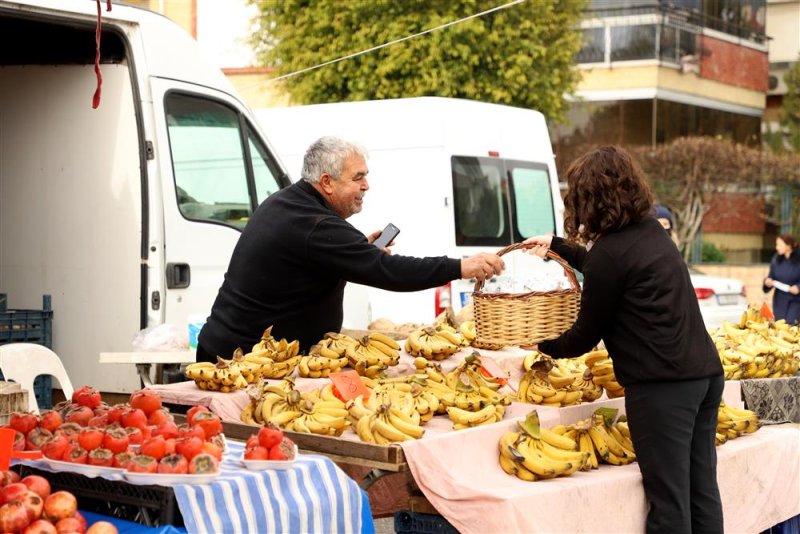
x=179, y=275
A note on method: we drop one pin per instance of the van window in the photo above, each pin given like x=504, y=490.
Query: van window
x=533, y=200
x=262, y=173
x=484, y=213
x=480, y=201
x=210, y=164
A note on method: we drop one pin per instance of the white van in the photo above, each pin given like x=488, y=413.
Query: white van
x=126, y=214
x=456, y=176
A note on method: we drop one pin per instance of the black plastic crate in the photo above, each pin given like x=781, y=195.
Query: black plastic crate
x=152, y=506
x=30, y=326
x=408, y=522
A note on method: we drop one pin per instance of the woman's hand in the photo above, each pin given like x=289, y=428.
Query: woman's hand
x=768, y=281
x=794, y=290
x=545, y=240
x=541, y=245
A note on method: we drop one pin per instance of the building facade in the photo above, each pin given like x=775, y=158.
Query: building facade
x=655, y=70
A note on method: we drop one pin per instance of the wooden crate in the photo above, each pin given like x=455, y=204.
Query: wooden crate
x=12, y=399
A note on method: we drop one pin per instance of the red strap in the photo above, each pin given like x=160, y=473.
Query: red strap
x=96, y=97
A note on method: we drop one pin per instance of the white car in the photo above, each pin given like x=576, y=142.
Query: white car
x=721, y=299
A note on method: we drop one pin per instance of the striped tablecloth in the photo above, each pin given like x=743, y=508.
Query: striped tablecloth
x=313, y=496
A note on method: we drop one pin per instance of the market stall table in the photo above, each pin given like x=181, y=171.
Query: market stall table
x=312, y=496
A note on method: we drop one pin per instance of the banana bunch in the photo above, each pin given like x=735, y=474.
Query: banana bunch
x=319, y=363
x=469, y=406
x=733, y=422
x=601, y=367
x=337, y=343
x=276, y=350
x=536, y=453
x=537, y=387
x=372, y=354
x=386, y=425
x=756, y=348
x=471, y=371
x=279, y=404
x=430, y=375
x=609, y=443
x=468, y=332
x=432, y=343
x=490, y=413
x=224, y=376
x=327, y=418
x=426, y=402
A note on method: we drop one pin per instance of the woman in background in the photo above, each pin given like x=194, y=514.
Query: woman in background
x=637, y=297
x=784, y=277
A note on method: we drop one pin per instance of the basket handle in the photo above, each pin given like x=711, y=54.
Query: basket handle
x=573, y=280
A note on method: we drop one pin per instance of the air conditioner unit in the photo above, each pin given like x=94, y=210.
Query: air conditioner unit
x=776, y=85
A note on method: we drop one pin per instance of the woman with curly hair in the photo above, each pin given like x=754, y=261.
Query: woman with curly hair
x=638, y=298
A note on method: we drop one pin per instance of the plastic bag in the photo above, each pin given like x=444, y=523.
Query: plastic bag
x=161, y=338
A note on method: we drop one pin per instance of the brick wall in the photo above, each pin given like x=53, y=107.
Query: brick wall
x=734, y=64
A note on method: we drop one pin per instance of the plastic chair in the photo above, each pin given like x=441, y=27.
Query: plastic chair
x=23, y=362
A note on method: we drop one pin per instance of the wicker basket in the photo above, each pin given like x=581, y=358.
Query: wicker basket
x=503, y=319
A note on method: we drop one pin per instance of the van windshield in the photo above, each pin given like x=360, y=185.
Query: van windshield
x=499, y=201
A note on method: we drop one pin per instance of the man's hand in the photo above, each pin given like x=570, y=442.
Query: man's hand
x=375, y=235
x=482, y=266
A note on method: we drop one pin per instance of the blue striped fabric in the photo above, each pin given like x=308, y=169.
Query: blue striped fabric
x=313, y=496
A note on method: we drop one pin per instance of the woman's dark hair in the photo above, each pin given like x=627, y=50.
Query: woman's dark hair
x=789, y=240
x=606, y=190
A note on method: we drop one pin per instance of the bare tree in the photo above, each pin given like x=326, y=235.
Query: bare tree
x=686, y=173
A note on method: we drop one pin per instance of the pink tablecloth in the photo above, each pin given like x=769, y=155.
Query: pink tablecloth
x=759, y=477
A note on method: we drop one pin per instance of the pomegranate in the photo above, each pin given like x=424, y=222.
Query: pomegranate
x=59, y=505
x=102, y=527
x=33, y=505
x=42, y=526
x=37, y=484
x=13, y=517
x=69, y=525
x=15, y=491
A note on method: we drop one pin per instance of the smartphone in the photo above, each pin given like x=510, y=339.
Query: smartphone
x=387, y=236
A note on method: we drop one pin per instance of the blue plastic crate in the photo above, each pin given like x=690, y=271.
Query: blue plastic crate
x=30, y=326
x=407, y=522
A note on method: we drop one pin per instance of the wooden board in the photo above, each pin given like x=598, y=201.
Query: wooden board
x=385, y=457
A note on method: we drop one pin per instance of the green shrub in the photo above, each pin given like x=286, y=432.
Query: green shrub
x=711, y=254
